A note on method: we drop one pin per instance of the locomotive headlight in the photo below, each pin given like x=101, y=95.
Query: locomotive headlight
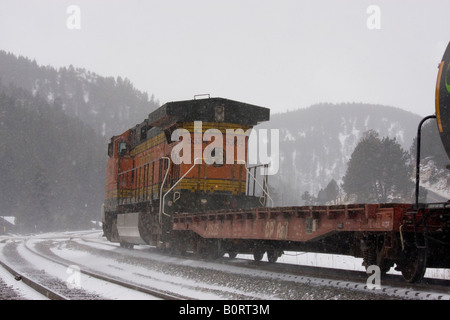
x=203, y=201
x=170, y=203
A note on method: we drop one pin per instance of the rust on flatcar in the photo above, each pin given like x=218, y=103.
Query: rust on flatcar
x=304, y=223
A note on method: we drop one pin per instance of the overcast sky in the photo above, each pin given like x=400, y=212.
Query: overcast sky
x=280, y=54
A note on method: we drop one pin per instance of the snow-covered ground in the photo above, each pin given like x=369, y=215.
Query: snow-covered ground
x=19, y=287
x=345, y=262
x=190, y=278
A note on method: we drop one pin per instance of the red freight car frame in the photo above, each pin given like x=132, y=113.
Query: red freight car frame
x=293, y=223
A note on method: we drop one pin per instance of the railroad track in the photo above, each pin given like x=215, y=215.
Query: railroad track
x=56, y=289
x=391, y=285
x=287, y=276
x=35, y=285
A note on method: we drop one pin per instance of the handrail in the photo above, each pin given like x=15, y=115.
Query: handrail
x=254, y=179
x=142, y=165
x=175, y=184
x=419, y=134
x=161, y=190
x=162, y=197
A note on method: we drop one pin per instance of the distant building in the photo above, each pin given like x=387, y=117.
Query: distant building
x=7, y=224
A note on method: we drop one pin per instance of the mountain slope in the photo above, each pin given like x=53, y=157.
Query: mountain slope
x=316, y=143
x=54, y=125
x=108, y=105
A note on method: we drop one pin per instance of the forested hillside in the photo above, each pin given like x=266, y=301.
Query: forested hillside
x=317, y=143
x=109, y=105
x=54, y=128
x=52, y=164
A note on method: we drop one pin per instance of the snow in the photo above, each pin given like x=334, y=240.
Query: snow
x=288, y=136
x=341, y=262
x=23, y=290
x=439, y=187
x=10, y=219
x=86, y=97
x=149, y=274
x=105, y=289
x=133, y=273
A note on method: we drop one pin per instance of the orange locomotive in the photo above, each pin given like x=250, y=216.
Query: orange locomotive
x=146, y=180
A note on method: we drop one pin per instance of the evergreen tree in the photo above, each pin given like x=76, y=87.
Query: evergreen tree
x=394, y=183
x=431, y=146
x=360, y=177
x=41, y=197
x=307, y=198
x=34, y=214
x=332, y=191
x=378, y=171
x=322, y=197
x=49, y=161
x=328, y=195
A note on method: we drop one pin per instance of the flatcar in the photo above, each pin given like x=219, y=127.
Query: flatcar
x=206, y=207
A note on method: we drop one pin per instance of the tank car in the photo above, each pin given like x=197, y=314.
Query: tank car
x=443, y=100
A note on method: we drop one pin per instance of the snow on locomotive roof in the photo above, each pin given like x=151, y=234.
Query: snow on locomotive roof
x=208, y=110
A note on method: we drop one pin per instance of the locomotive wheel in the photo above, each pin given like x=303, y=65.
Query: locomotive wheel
x=126, y=245
x=413, y=264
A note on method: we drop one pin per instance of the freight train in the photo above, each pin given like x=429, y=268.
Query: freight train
x=180, y=181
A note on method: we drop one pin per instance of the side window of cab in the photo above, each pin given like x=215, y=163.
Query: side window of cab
x=110, y=149
x=122, y=148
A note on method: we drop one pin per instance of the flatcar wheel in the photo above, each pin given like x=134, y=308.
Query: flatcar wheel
x=414, y=264
x=384, y=263
x=209, y=249
x=178, y=248
x=258, y=255
x=273, y=254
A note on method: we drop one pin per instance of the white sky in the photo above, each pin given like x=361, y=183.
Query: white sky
x=283, y=54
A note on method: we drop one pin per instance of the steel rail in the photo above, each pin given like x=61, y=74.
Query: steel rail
x=50, y=294
x=128, y=285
